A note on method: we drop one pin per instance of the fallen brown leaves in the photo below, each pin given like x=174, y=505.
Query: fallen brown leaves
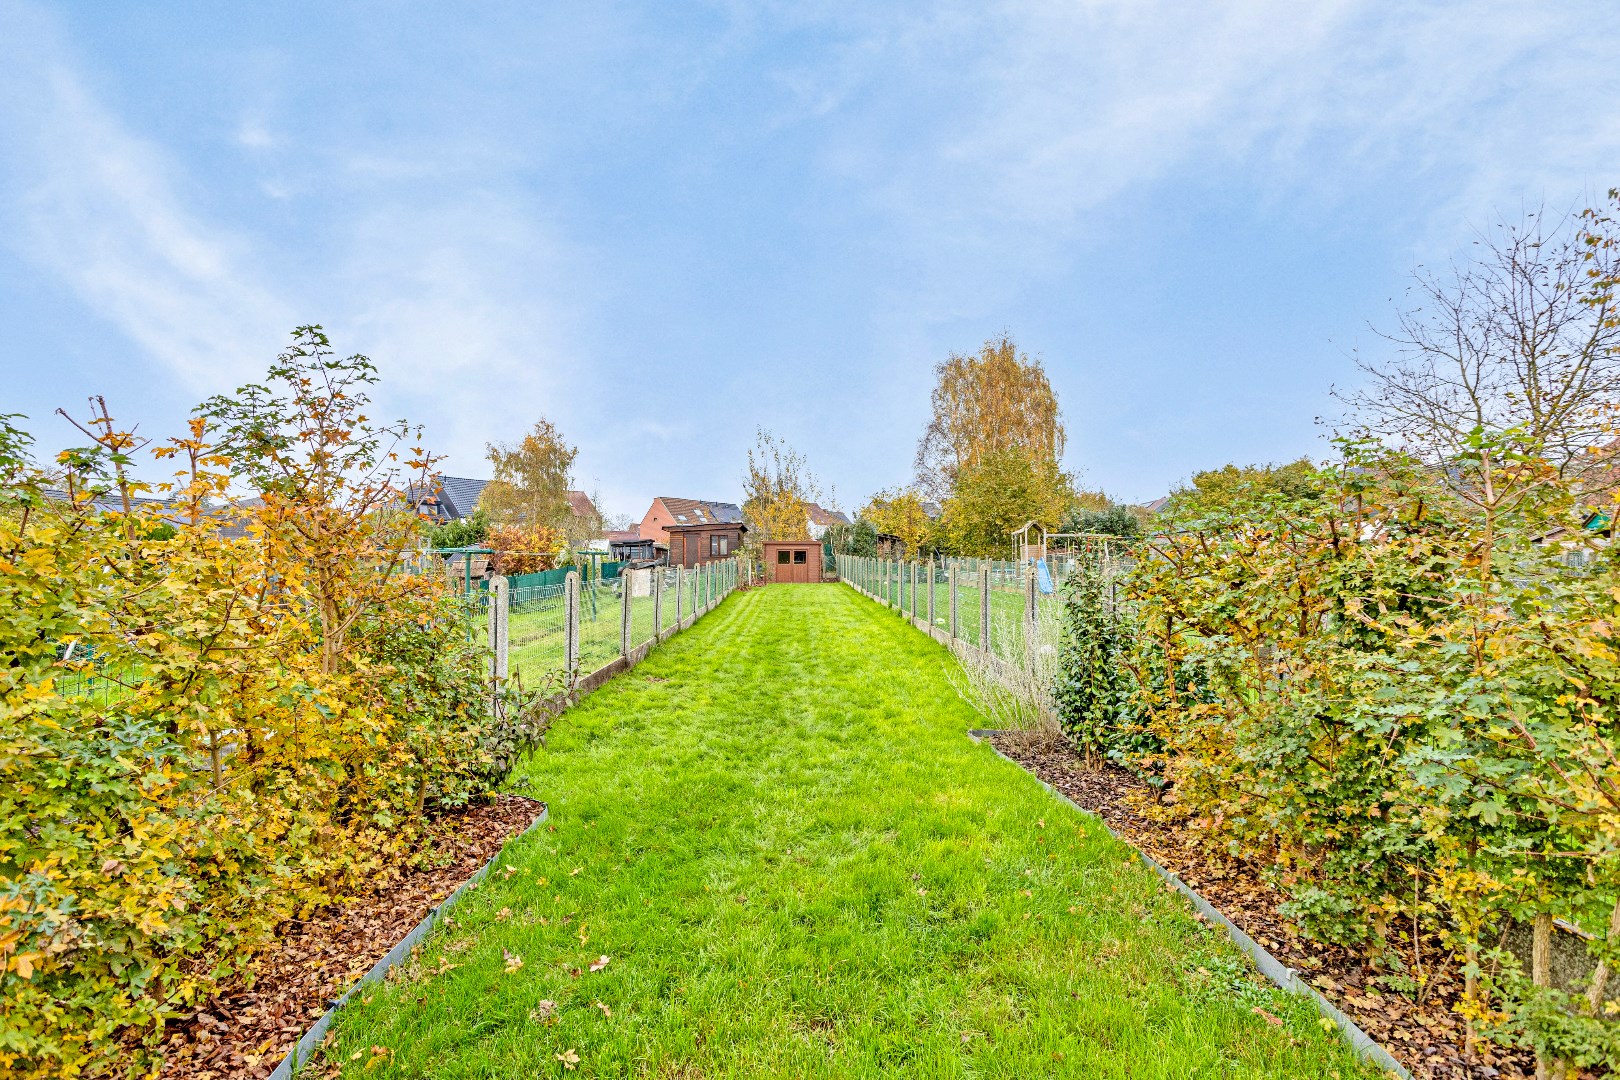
x=1427, y=1039
x=244, y=1032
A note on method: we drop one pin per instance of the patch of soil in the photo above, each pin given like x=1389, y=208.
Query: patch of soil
x=1426, y=1039
x=244, y=1031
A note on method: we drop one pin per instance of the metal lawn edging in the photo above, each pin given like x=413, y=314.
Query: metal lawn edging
x=1365, y=1046
x=300, y=1055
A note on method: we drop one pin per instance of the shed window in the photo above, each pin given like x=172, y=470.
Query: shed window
x=714, y=544
x=782, y=558
x=725, y=545
x=798, y=558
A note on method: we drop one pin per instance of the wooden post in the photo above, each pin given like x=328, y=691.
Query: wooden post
x=658, y=602
x=626, y=587
x=571, y=626
x=984, y=608
x=499, y=607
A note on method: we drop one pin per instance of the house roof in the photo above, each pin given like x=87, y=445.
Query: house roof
x=625, y=536
x=112, y=501
x=701, y=511
x=1157, y=504
x=452, y=497
x=580, y=503
x=822, y=516
x=707, y=526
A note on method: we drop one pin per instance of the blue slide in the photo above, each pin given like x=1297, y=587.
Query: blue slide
x=1043, y=577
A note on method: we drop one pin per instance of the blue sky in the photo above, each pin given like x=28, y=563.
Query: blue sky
x=662, y=225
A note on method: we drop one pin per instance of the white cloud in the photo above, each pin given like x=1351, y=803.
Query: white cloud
x=1031, y=114
x=98, y=208
x=442, y=286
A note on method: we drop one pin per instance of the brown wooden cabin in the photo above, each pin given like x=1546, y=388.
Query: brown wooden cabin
x=797, y=561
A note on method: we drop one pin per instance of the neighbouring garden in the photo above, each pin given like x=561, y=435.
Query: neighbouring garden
x=774, y=852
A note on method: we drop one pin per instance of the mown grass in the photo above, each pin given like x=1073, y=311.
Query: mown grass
x=800, y=866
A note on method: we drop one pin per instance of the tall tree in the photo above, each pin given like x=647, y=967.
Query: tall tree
x=999, y=493
x=777, y=486
x=531, y=480
x=995, y=400
x=1521, y=342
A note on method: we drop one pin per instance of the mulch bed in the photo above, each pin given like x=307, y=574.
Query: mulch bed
x=245, y=1031
x=1427, y=1040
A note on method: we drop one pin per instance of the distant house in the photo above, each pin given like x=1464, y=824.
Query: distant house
x=821, y=520
x=695, y=530
x=446, y=498
x=451, y=498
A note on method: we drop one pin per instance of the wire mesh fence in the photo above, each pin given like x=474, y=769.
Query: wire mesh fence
x=580, y=627
x=979, y=603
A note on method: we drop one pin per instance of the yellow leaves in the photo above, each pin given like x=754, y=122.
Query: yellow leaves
x=513, y=961
x=569, y=1059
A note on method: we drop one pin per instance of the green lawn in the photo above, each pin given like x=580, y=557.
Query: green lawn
x=799, y=865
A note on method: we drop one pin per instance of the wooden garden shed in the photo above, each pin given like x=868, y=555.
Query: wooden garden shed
x=793, y=561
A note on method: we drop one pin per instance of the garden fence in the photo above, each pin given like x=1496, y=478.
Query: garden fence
x=591, y=630
x=985, y=604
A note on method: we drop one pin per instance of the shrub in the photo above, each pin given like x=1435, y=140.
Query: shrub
x=282, y=706
x=1403, y=705
x=525, y=549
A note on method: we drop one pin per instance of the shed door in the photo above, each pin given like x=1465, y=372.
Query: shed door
x=801, y=566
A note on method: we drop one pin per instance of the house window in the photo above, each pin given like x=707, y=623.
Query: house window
x=783, y=557
x=798, y=558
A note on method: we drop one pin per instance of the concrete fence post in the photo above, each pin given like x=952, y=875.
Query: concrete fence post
x=571, y=626
x=984, y=608
x=499, y=608
x=627, y=585
x=658, y=602
x=1030, y=609
x=680, y=596
x=930, y=594
x=956, y=602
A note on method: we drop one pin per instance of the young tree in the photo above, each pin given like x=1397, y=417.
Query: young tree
x=1219, y=489
x=332, y=479
x=897, y=512
x=778, y=485
x=993, y=401
x=531, y=480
